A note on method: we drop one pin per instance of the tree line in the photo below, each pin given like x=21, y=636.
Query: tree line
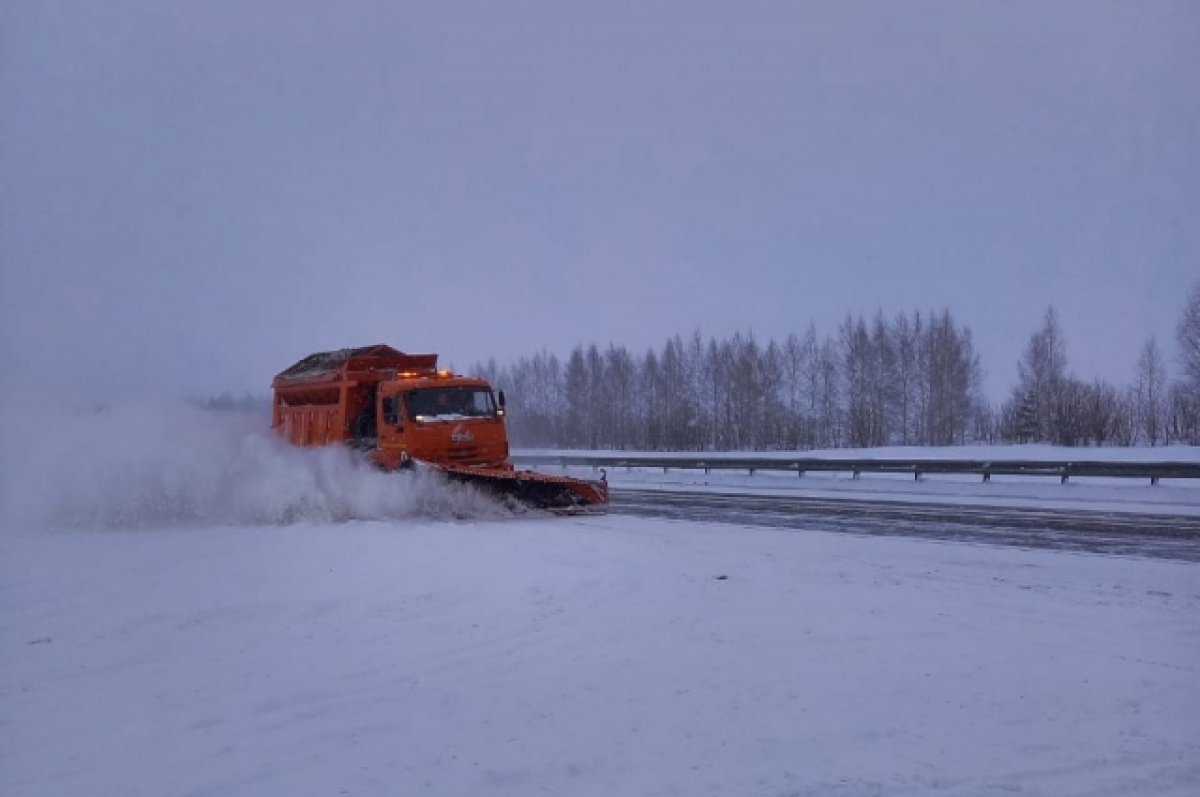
x=1048, y=404
x=911, y=379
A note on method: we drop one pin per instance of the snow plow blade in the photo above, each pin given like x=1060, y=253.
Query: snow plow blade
x=560, y=494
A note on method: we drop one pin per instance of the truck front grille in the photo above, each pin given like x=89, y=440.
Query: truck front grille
x=464, y=454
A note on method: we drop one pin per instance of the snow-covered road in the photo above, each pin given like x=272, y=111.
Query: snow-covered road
x=589, y=656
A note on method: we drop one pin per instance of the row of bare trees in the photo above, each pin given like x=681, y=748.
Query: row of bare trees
x=910, y=379
x=913, y=379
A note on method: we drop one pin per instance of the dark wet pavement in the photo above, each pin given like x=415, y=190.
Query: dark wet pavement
x=1160, y=536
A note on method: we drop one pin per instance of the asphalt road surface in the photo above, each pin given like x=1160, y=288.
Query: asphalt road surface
x=1117, y=533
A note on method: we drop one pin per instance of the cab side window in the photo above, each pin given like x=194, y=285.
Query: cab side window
x=391, y=409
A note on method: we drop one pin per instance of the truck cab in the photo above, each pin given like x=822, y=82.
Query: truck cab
x=443, y=419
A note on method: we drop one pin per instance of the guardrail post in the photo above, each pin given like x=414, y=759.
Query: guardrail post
x=752, y=471
x=1065, y=476
x=855, y=474
x=916, y=475
x=1153, y=481
x=987, y=476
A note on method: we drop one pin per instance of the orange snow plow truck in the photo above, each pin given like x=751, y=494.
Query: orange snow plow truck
x=400, y=409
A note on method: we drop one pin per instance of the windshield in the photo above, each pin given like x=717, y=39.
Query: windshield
x=449, y=403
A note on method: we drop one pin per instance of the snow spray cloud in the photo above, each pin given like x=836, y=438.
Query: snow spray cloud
x=154, y=465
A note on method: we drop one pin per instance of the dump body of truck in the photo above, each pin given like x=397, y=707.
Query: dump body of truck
x=399, y=408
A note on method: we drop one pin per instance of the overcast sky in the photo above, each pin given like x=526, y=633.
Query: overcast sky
x=194, y=195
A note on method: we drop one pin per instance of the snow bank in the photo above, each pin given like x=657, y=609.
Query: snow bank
x=160, y=464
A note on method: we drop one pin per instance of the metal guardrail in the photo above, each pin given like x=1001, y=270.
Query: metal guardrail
x=1064, y=470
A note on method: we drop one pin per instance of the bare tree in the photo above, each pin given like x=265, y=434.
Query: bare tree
x=1187, y=333
x=620, y=377
x=599, y=398
x=1151, y=393
x=1070, y=410
x=953, y=376
x=650, y=396
x=905, y=334
x=775, y=425
x=538, y=383
x=680, y=398
x=856, y=365
x=1042, y=372
x=577, y=387
x=1185, y=413
x=829, y=394
x=743, y=391
x=883, y=379
x=713, y=376
x=698, y=379
x=1102, y=414
x=792, y=387
x=814, y=432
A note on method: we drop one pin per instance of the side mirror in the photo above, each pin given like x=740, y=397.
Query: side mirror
x=500, y=398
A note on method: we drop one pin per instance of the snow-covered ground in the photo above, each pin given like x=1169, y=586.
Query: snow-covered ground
x=246, y=619
x=591, y=656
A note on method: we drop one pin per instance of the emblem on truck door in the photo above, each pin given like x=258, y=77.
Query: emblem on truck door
x=461, y=435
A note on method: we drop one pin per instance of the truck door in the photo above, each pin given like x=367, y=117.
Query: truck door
x=391, y=419
x=364, y=428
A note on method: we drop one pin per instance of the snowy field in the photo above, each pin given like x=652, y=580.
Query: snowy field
x=226, y=616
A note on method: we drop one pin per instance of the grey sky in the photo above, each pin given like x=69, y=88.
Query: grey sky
x=212, y=190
